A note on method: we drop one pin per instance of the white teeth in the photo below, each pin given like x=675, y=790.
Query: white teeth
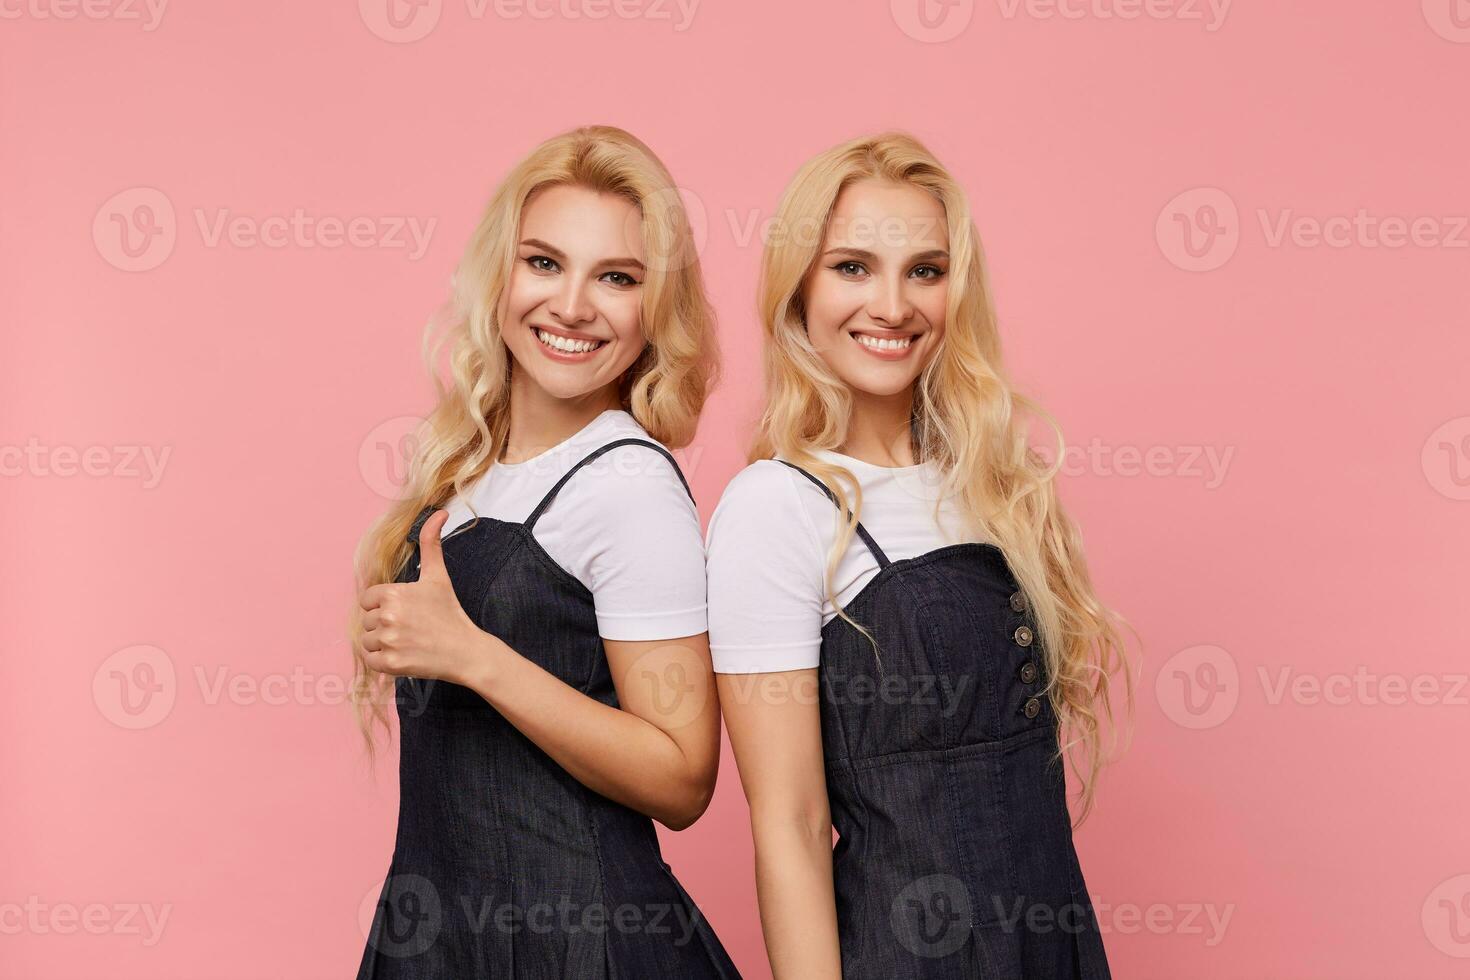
x=566, y=343
x=883, y=343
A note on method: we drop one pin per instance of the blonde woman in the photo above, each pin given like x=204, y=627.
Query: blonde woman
x=536, y=604
x=901, y=620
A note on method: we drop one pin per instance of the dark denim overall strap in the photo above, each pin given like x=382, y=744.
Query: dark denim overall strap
x=630, y=441
x=427, y=512
x=862, y=532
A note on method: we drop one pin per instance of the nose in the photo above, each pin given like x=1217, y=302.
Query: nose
x=570, y=304
x=889, y=304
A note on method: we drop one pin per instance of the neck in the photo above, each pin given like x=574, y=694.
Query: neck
x=878, y=429
x=540, y=420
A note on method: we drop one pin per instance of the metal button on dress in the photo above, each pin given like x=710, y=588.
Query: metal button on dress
x=1028, y=672
x=1023, y=635
x=1032, y=708
x=1018, y=601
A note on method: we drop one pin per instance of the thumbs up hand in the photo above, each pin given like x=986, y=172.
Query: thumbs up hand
x=419, y=629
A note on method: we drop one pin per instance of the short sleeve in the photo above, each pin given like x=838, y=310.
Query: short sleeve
x=765, y=569
x=644, y=556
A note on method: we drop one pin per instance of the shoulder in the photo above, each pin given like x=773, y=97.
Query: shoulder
x=762, y=505
x=642, y=470
x=628, y=463
x=761, y=484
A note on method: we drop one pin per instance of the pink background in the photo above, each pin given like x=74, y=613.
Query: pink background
x=1323, y=827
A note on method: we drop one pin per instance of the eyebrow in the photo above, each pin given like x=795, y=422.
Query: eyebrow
x=557, y=253
x=865, y=255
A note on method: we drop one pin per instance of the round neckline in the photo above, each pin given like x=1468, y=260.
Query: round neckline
x=563, y=445
x=923, y=481
x=833, y=454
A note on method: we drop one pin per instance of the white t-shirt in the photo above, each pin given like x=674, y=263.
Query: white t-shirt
x=623, y=526
x=767, y=547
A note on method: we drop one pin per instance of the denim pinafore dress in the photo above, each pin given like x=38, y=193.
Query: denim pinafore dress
x=504, y=865
x=955, y=857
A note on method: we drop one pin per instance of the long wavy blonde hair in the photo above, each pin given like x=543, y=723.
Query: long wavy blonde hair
x=466, y=432
x=967, y=418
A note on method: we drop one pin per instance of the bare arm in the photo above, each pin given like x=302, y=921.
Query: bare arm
x=659, y=754
x=774, y=722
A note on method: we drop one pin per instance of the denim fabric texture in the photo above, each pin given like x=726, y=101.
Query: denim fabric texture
x=504, y=865
x=955, y=857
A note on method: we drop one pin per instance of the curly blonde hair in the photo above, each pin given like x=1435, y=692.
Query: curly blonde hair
x=967, y=419
x=664, y=389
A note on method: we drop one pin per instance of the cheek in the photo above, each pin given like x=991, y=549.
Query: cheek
x=827, y=308
x=523, y=294
x=625, y=315
x=933, y=307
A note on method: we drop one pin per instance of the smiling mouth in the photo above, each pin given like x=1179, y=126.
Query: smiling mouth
x=885, y=344
x=566, y=345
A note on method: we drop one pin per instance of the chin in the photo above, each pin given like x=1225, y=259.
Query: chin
x=879, y=383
